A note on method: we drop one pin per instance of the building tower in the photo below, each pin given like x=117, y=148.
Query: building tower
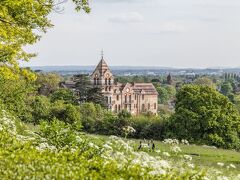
x=169, y=79
x=103, y=78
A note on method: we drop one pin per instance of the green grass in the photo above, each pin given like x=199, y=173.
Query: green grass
x=202, y=156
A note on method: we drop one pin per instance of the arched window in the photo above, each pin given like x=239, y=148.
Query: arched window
x=125, y=98
x=109, y=81
x=130, y=98
x=106, y=88
x=109, y=88
x=106, y=81
x=117, y=97
x=98, y=81
x=95, y=81
x=155, y=105
x=115, y=108
x=119, y=107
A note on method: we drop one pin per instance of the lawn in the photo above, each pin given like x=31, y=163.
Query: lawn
x=203, y=156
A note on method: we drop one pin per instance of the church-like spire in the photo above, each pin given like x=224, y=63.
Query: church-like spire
x=102, y=66
x=102, y=53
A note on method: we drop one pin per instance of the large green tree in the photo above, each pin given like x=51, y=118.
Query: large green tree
x=204, y=115
x=87, y=93
x=22, y=22
x=47, y=82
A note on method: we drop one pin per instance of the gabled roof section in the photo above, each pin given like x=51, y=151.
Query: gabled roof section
x=102, y=67
x=146, y=88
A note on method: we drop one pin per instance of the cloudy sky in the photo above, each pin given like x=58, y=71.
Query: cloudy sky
x=166, y=33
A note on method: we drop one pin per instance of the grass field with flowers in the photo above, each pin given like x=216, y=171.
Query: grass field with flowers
x=57, y=151
x=228, y=161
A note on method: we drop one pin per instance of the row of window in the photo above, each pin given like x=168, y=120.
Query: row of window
x=127, y=97
x=118, y=107
x=108, y=88
x=107, y=81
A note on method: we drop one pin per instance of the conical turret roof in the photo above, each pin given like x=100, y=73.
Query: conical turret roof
x=102, y=67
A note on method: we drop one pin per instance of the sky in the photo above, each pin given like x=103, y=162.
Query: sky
x=164, y=33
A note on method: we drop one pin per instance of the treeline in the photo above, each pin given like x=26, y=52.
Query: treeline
x=202, y=114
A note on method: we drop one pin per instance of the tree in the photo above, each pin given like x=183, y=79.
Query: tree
x=204, y=81
x=65, y=95
x=203, y=115
x=89, y=114
x=40, y=109
x=21, y=23
x=226, y=88
x=47, y=83
x=87, y=93
x=67, y=113
x=16, y=96
x=163, y=95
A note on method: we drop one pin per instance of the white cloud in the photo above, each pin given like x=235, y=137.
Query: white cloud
x=131, y=17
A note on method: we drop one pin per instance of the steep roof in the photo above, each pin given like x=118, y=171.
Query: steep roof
x=146, y=88
x=102, y=67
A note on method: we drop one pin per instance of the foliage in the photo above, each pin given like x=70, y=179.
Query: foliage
x=204, y=81
x=65, y=95
x=90, y=115
x=47, y=83
x=226, y=88
x=22, y=22
x=41, y=108
x=15, y=95
x=203, y=115
x=67, y=113
x=58, y=133
x=87, y=93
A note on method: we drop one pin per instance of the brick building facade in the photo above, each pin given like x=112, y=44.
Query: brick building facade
x=134, y=97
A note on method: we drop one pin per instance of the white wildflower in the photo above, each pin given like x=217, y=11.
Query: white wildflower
x=222, y=178
x=106, y=146
x=187, y=157
x=184, y=141
x=220, y=164
x=191, y=165
x=232, y=166
x=78, y=139
x=176, y=149
x=166, y=154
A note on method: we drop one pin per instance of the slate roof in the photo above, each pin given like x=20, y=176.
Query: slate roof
x=145, y=88
x=102, y=67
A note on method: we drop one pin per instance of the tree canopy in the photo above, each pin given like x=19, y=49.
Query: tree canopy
x=204, y=115
x=22, y=22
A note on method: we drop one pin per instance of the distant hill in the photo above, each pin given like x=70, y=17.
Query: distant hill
x=134, y=70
